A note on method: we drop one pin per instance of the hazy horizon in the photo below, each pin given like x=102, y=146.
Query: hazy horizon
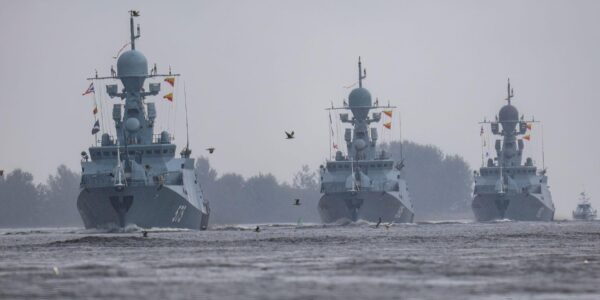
x=256, y=68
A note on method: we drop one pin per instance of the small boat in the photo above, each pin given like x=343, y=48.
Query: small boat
x=584, y=210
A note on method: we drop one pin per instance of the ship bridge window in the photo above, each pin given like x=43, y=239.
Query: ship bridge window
x=132, y=112
x=165, y=151
x=114, y=153
x=148, y=151
x=156, y=151
x=106, y=153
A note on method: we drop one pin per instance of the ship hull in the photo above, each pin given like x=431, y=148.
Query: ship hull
x=525, y=207
x=584, y=217
x=145, y=207
x=368, y=206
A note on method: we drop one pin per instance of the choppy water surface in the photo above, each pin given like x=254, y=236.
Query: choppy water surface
x=504, y=260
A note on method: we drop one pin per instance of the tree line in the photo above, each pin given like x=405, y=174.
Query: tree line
x=440, y=187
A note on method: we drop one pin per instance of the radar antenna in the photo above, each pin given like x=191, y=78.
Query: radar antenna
x=510, y=92
x=133, y=14
x=362, y=73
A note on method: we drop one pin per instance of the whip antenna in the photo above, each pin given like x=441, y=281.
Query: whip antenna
x=187, y=129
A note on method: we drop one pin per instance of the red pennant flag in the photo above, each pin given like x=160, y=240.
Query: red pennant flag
x=529, y=126
x=527, y=137
x=388, y=125
x=169, y=97
x=95, y=111
x=170, y=80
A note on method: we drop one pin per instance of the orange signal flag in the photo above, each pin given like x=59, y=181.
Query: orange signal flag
x=527, y=137
x=95, y=111
x=169, y=97
x=170, y=80
x=529, y=126
x=388, y=113
x=388, y=125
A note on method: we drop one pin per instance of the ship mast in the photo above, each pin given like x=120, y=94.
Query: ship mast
x=510, y=92
x=132, y=14
x=362, y=74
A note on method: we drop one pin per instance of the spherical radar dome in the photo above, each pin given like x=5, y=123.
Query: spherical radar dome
x=508, y=113
x=359, y=97
x=132, y=64
x=132, y=124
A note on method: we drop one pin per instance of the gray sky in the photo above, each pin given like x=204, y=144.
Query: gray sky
x=255, y=68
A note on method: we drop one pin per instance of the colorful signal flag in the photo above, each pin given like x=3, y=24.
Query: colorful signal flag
x=89, y=90
x=170, y=80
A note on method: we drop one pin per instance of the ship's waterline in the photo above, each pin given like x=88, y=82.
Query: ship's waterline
x=368, y=206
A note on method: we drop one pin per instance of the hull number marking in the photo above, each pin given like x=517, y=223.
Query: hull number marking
x=179, y=214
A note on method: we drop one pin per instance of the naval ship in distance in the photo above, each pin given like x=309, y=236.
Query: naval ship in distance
x=507, y=188
x=365, y=184
x=134, y=177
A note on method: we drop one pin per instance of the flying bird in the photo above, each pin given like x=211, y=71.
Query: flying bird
x=257, y=229
x=210, y=150
x=297, y=202
x=145, y=233
x=378, y=223
x=290, y=135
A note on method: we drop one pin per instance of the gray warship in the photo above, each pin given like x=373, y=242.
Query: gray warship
x=365, y=184
x=135, y=178
x=506, y=188
x=584, y=210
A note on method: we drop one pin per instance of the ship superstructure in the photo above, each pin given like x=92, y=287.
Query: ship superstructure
x=584, y=210
x=506, y=187
x=135, y=178
x=365, y=183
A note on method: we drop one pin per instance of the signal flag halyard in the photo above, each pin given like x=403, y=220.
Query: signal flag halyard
x=529, y=126
x=527, y=137
x=388, y=113
x=169, y=97
x=387, y=125
x=89, y=90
